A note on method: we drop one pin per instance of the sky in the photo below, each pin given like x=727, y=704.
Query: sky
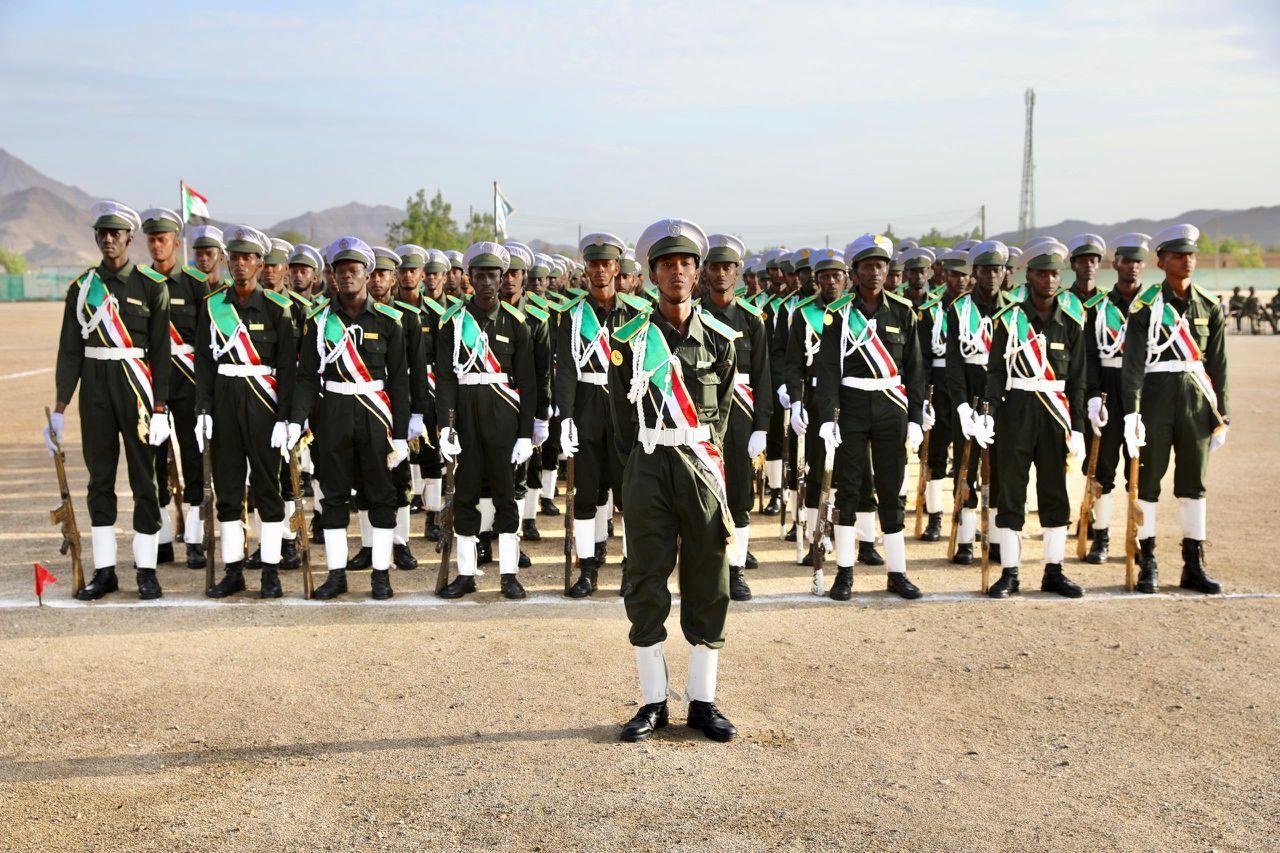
x=785, y=123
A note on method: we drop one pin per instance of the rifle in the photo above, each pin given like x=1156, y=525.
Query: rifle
x=923, y=479
x=818, y=550
x=786, y=445
x=569, y=548
x=1092, y=488
x=758, y=464
x=962, y=492
x=445, y=519
x=175, y=487
x=802, y=471
x=207, y=516
x=298, y=521
x=1131, y=525
x=984, y=510
x=65, y=515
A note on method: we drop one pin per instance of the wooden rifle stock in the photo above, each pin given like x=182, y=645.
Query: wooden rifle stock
x=64, y=516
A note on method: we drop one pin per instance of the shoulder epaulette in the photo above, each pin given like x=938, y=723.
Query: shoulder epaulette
x=745, y=305
x=740, y=290
x=451, y=312
x=903, y=300
x=805, y=301
x=203, y=278
x=776, y=301
x=217, y=290
x=513, y=311
x=572, y=303
x=1071, y=306
x=1004, y=310
x=652, y=291
x=300, y=299
x=555, y=302
x=278, y=298
x=629, y=329
x=151, y=274
x=453, y=300
x=388, y=310
x=839, y=303
x=720, y=327
x=929, y=303
x=537, y=313
x=635, y=302
x=409, y=306
x=316, y=309
x=1095, y=299
x=433, y=305
x=576, y=291
x=1204, y=294
x=536, y=298
x=75, y=282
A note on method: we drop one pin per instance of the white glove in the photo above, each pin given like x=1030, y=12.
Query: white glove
x=966, y=414
x=280, y=437
x=541, y=431
x=449, y=445
x=399, y=452
x=56, y=419
x=416, y=427
x=160, y=430
x=522, y=451
x=293, y=434
x=1218, y=438
x=915, y=437
x=568, y=437
x=1098, y=414
x=204, y=430
x=1075, y=445
x=984, y=430
x=756, y=443
x=799, y=418
x=1135, y=433
x=928, y=416
x=829, y=433
x=783, y=397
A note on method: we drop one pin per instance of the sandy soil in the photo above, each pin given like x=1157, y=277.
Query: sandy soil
x=1117, y=721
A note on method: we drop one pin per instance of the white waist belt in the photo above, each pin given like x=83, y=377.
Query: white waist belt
x=1114, y=361
x=181, y=349
x=1176, y=366
x=980, y=359
x=482, y=378
x=594, y=378
x=867, y=384
x=674, y=437
x=352, y=388
x=244, y=370
x=1043, y=386
x=113, y=353
x=938, y=362
x=741, y=379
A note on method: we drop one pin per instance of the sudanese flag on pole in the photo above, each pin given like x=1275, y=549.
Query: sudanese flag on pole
x=43, y=579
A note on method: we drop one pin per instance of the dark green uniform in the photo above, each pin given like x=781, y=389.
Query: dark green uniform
x=934, y=328
x=1105, y=325
x=528, y=474
x=187, y=289
x=970, y=319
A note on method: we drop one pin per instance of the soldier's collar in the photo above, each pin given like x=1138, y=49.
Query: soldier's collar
x=123, y=273
x=491, y=314
x=696, y=331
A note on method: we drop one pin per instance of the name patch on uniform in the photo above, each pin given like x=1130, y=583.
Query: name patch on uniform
x=893, y=329
x=257, y=327
x=703, y=364
x=132, y=301
x=177, y=302
x=370, y=336
x=1202, y=321
x=1057, y=345
x=502, y=338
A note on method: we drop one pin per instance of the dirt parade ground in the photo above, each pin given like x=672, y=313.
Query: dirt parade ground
x=1116, y=722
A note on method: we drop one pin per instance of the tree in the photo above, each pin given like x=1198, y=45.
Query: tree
x=427, y=222
x=12, y=262
x=290, y=235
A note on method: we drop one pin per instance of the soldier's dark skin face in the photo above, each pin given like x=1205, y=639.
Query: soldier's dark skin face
x=113, y=243
x=512, y=286
x=433, y=283
x=793, y=282
x=601, y=275
x=777, y=281
x=1128, y=274
x=720, y=277
x=1043, y=284
x=1086, y=269
x=407, y=281
x=454, y=283
x=676, y=276
x=486, y=281
x=938, y=273
x=537, y=284
x=832, y=284
x=957, y=283
x=1178, y=268
x=301, y=278
x=871, y=274
x=244, y=268
x=805, y=278
x=987, y=280
x=163, y=248
x=207, y=259
x=380, y=283
x=894, y=281
x=627, y=282
x=351, y=281
x=918, y=279
x=273, y=277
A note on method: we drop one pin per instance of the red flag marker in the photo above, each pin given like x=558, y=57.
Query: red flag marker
x=43, y=579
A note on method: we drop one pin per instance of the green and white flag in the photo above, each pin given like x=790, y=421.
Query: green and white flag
x=193, y=204
x=502, y=208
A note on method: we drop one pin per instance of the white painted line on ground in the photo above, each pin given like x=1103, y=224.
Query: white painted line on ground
x=424, y=601
x=24, y=373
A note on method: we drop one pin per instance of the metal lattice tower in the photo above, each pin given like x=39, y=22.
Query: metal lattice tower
x=1027, y=200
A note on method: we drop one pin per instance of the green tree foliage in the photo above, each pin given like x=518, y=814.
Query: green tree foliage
x=291, y=235
x=934, y=237
x=1243, y=252
x=429, y=222
x=12, y=262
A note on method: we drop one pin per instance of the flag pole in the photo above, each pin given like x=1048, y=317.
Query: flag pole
x=495, y=211
x=35, y=572
x=182, y=206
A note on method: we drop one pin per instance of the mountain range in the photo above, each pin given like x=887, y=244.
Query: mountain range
x=47, y=221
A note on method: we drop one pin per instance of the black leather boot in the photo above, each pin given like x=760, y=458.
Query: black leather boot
x=308, y=491
x=484, y=549
x=433, y=527
x=254, y=560
x=647, y=720
x=602, y=551
x=993, y=553
x=102, y=582
x=512, y=588
x=842, y=587
x=362, y=560
x=706, y=717
x=317, y=532
x=523, y=561
x=1098, y=551
x=738, y=589
x=752, y=562
x=164, y=553
x=231, y=583
x=529, y=530
x=289, y=559
x=791, y=534
x=1006, y=586
x=459, y=586
x=586, y=583
x=964, y=554
x=195, y=556
x=415, y=505
x=380, y=585
x=774, y=506
x=932, y=528
x=270, y=583
x=148, y=586
x=1148, y=571
x=334, y=585
x=868, y=555
x=1193, y=574
x=899, y=584
x=548, y=507
x=1055, y=581
x=402, y=558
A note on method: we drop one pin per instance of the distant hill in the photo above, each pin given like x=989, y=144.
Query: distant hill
x=1261, y=224
x=360, y=220
x=45, y=229
x=15, y=176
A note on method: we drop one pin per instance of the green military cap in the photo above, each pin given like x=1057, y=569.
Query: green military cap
x=350, y=249
x=521, y=255
x=1044, y=253
x=486, y=253
x=455, y=259
x=826, y=259
x=988, y=253
x=206, y=237
x=630, y=266
x=279, y=252
x=955, y=259
x=412, y=256
x=306, y=256
x=385, y=259
x=898, y=262
x=917, y=258
x=1086, y=244
x=1177, y=238
x=800, y=259
x=247, y=240
x=671, y=237
x=115, y=216
x=772, y=257
x=724, y=248
x=159, y=220
x=1133, y=245
x=868, y=246
x=601, y=246
x=437, y=261
x=542, y=267
x=1014, y=254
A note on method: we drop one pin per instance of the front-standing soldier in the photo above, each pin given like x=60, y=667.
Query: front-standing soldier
x=869, y=366
x=1035, y=390
x=434, y=275
x=671, y=388
x=114, y=345
x=1174, y=389
x=485, y=377
x=745, y=434
x=354, y=351
x=187, y=287
x=246, y=359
